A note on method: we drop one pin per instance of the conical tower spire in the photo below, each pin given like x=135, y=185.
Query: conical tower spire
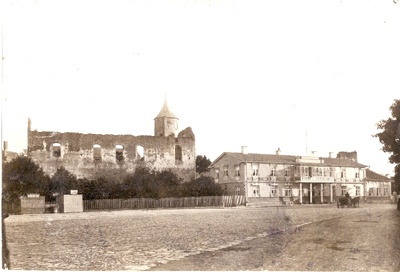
x=165, y=111
x=166, y=123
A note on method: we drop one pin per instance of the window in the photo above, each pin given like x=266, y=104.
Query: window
x=273, y=170
x=97, y=153
x=385, y=191
x=357, y=175
x=304, y=171
x=343, y=173
x=119, y=153
x=331, y=172
x=273, y=190
x=237, y=171
x=140, y=152
x=256, y=191
x=378, y=192
x=288, y=191
x=255, y=169
x=357, y=190
x=226, y=171
x=237, y=190
x=56, y=150
x=178, y=153
x=216, y=173
x=344, y=191
x=287, y=172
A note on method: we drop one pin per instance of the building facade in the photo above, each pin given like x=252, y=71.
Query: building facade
x=301, y=179
x=113, y=156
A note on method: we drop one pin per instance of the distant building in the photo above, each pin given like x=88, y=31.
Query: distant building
x=301, y=179
x=94, y=155
x=377, y=185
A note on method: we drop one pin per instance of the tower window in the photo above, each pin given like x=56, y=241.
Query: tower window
x=119, y=153
x=178, y=153
x=97, y=153
x=56, y=150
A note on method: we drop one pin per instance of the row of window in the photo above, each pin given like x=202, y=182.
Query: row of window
x=119, y=152
x=305, y=171
x=378, y=191
x=287, y=191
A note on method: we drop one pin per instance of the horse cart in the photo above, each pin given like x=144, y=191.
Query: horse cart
x=344, y=201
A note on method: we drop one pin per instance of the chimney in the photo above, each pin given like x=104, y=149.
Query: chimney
x=347, y=155
x=314, y=153
x=5, y=146
x=278, y=152
x=331, y=154
x=244, y=149
x=29, y=124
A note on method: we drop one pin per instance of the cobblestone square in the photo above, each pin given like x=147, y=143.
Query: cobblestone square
x=142, y=239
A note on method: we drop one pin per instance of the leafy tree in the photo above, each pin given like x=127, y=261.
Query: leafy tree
x=22, y=176
x=62, y=182
x=168, y=184
x=99, y=188
x=141, y=184
x=202, y=186
x=389, y=137
x=202, y=164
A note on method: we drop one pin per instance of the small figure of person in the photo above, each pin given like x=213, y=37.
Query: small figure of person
x=347, y=195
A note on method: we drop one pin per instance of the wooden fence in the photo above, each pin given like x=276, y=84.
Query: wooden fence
x=149, y=203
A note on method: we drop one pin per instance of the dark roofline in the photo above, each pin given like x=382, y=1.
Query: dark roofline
x=373, y=176
x=285, y=159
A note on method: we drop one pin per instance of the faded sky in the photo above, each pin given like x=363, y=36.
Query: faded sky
x=255, y=73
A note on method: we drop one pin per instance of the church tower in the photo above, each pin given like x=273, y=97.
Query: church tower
x=166, y=123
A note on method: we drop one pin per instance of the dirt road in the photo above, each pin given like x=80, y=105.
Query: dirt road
x=367, y=241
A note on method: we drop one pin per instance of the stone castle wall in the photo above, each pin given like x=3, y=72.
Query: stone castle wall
x=112, y=156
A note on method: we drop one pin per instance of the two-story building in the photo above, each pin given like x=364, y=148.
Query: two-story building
x=301, y=179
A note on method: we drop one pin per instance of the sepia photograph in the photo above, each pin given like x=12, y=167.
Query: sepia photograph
x=200, y=135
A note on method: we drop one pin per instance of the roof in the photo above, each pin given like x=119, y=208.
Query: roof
x=165, y=111
x=371, y=175
x=287, y=159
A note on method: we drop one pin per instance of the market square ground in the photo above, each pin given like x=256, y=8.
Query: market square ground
x=356, y=238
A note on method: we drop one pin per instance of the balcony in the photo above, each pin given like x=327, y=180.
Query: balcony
x=316, y=179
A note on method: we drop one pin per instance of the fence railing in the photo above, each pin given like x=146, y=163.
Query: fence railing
x=171, y=202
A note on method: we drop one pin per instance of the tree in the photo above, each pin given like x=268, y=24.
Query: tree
x=99, y=188
x=22, y=176
x=168, y=184
x=389, y=137
x=62, y=182
x=141, y=184
x=202, y=186
x=202, y=164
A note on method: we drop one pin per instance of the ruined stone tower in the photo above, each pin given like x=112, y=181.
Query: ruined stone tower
x=166, y=123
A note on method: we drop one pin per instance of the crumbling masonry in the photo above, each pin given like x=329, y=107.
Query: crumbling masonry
x=114, y=156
